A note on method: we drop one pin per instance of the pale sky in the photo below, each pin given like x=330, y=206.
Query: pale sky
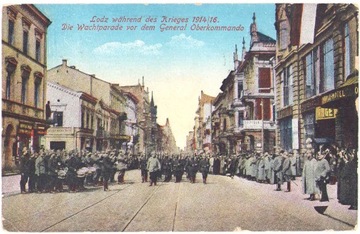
x=176, y=64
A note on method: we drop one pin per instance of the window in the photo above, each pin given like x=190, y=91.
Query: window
x=309, y=125
x=284, y=35
x=328, y=66
x=92, y=122
x=264, y=80
x=11, y=32
x=224, y=125
x=240, y=89
x=24, y=83
x=347, y=50
x=82, y=119
x=287, y=86
x=58, y=118
x=25, y=41
x=241, y=119
x=38, y=51
x=8, y=85
x=286, y=133
x=310, y=81
x=87, y=120
x=37, y=92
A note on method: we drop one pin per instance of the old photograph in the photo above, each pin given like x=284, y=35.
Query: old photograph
x=179, y=117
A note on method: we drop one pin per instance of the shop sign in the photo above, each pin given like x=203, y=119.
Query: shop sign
x=25, y=128
x=338, y=94
x=41, y=130
x=325, y=113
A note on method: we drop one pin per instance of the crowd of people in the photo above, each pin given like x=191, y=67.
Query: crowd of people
x=49, y=171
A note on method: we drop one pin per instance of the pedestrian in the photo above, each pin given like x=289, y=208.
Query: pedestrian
x=24, y=169
x=40, y=171
x=177, y=169
x=261, y=175
x=143, y=168
x=308, y=176
x=166, y=168
x=106, y=169
x=153, y=166
x=121, y=167
x=286, y=169
x=32, y=172
x=322, y=171
x=277, y=167
x=351, y=177
x=193, y=168
x=204, y=168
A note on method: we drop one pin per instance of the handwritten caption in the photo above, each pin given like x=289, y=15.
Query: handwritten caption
x=151, y=23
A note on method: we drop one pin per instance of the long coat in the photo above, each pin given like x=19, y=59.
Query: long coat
x=253, y=166
x=286, y=168
x=308, y=177
x=322, y=169
x=261, y=169
x=40, y=167
x=153, y=164
x=293, y=165
x=278, y=163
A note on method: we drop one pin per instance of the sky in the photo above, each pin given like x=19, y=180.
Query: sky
x=176, y=64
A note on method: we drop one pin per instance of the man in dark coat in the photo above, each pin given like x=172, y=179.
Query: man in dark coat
x=277, y=166
x=193, y=167
x=143, y=168
x=24, y=169
x=216, y=166
x=286, y=169
x=32, y=175
x=166, y=168
x=322, y=173
x=177, y=169
x=204, y=168
x=351, y=176
x=106, y=170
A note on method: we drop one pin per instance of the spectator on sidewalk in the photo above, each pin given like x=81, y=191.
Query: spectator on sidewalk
x=24, y=169
x=322, y=171
x=308, y=176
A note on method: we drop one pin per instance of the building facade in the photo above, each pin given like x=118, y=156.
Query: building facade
x=24, y=35
x=316, y=74
x=109, y=117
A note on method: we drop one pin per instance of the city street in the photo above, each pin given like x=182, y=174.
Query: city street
x=224, y=204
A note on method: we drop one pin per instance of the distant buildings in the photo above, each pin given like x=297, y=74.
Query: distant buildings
x=24, y=36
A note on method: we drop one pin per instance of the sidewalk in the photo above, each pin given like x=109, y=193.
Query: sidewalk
x=10, y=184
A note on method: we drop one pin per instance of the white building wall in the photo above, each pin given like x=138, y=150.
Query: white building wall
x=67, y=101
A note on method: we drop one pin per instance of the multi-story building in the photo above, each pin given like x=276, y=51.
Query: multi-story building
x=203, y=125
x=72, y=118
x=109, y=126
x=24, y=35
x=189, y=148
x=316, y=74
x=143, y=124
x=131, y=129
x=254, y=93
x=166, y=139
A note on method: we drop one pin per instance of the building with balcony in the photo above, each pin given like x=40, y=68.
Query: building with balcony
x=24, y=35
x=109, y=117
x=144, y=125
x=316, y=74
x=202, y=131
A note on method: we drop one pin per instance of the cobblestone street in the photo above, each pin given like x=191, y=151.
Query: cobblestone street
x=224, y=204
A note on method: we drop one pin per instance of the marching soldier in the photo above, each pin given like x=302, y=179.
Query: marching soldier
x=153, y=166
x=277, y=167
x=204, y=168
x=166, y=168
x=143, y=168
x=24, y=169
x=193, y=168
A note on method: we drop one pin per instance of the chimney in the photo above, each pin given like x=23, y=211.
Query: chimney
x=64, y=62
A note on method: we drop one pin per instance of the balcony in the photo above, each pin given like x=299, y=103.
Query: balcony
x=255, y=125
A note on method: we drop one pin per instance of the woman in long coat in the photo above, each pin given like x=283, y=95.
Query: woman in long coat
x=308, y=176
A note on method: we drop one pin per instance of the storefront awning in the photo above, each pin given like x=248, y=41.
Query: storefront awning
x=346, y=92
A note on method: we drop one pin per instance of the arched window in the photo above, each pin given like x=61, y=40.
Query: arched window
x=11, y=64
x=25, y=73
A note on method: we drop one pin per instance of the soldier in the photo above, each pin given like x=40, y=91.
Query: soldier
x=261, y=170
x=24, y=169
x=308, y=176
x=204, y=168
x=277, y=167
x=153, y=166
x=52, y=173
x=40, y=171
x=121, y=167
x=178, y=169
x=143, y=168
x=166, y=168
x=193, y=168
x=106, y=169
x=322, y=171
x=293, y=164
x=286, y=169
x=32, y=172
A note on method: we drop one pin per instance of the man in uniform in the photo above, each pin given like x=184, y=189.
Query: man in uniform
x=143, y=168
x=24, y=169
x=153, y=166
x=277, y=166
x=166, y=168
x=322, y=171
x=204, y=168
